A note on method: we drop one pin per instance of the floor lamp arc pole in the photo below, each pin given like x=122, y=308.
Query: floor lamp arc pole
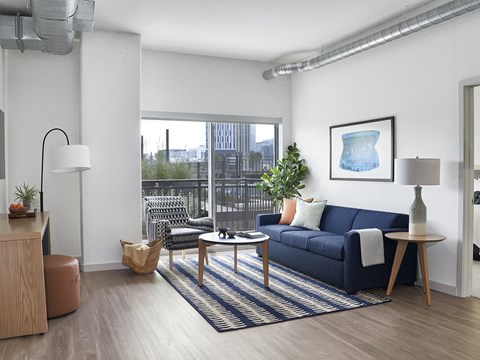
x=43, y=152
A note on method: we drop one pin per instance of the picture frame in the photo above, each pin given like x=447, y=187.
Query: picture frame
x=363, y=151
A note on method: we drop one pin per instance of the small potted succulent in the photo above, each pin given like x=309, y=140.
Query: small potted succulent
x=26, y=194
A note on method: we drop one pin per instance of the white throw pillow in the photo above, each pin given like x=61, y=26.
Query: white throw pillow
x=308, y=215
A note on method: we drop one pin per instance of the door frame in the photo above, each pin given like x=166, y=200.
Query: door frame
x=467, y=142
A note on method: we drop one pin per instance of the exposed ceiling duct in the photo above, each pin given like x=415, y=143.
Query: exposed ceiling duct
x=425, y=20
x=50, y=29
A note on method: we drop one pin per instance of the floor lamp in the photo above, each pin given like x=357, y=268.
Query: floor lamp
x=65, y=159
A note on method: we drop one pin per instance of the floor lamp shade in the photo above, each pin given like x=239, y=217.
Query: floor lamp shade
x=69, y=158
x=417, y=172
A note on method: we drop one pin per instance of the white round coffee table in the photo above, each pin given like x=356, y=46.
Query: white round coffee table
x=212, y=238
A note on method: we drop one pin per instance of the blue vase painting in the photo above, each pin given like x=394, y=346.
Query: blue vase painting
x=359, y=153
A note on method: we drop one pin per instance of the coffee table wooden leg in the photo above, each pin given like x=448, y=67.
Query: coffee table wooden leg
x=422, y=255
x=397, y=261
x=234, y=258
x=202, y=249
x=265, y=262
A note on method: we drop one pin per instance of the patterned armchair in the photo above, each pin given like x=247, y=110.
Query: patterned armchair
x=167, y=219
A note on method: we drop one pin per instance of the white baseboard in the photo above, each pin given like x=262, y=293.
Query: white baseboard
x=102, y=267
x=444, y=288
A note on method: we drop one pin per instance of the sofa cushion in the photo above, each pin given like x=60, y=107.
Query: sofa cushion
x=338, y=219
x=300, y=237
x=366, y=219
x=289, y=209
x=274, y=231
x=329, y=246
x=308, y=215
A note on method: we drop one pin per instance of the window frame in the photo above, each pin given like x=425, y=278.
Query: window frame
x=211, y=119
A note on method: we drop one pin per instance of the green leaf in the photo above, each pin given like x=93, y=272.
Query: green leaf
x=285, y=179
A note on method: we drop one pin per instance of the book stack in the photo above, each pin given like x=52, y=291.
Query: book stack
x=250, y=234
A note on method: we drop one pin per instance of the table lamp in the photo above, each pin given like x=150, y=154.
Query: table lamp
x=417, y=172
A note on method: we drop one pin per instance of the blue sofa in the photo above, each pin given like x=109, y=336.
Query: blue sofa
x=333, y=254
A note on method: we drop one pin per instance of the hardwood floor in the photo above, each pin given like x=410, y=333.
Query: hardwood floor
x=129, y=316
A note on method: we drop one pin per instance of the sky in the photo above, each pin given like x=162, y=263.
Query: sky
x=184, y=134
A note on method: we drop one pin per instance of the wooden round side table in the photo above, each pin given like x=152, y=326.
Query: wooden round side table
x=402, y=239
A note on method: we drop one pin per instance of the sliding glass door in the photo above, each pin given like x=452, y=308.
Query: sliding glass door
x=242, y=153
x=176, y=160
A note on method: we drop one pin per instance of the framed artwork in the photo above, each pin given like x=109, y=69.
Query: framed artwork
x=362, y=150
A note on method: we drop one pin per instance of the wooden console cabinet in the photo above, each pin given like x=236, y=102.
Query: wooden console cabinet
x=23, y=309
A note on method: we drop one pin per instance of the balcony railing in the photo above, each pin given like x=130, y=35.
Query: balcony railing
x=238, y=201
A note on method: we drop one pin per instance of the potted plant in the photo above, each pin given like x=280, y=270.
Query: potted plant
x=285, y=179
x=26, y=194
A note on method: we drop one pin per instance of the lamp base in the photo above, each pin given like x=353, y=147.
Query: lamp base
x=418, y=214
x=417, y=228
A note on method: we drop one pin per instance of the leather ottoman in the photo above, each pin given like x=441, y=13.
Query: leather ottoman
x=62, y=284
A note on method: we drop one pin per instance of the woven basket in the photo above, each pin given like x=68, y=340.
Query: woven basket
x=152, y=259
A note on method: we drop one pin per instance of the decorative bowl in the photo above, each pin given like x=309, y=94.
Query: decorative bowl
x=231, y=234
x=222, y=231
x=17, y=210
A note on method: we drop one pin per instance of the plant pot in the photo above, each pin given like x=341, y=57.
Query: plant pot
x=27, y=203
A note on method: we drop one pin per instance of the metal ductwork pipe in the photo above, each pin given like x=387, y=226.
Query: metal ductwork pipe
x=50, y=29
x=52, y=22
x=425, y=20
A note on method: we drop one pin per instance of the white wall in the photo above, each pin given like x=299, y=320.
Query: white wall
x=476, y=120
x=42, y=93
x=110, y=121
x=201, y=84
x=416, y=79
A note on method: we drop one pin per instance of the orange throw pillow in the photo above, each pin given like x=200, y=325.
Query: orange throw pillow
x=289, y=209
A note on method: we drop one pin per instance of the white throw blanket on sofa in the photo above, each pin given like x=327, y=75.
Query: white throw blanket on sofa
x=371, y=247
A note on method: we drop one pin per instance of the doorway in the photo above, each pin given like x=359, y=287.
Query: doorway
x=476, y=189
x=469, y=269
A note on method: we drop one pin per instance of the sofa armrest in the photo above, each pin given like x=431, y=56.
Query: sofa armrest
x=204, y=223
x=201, y=221
x=267, y=219
x=385, y=231
x=352, y=244
x=158, y=230
x=358, y=277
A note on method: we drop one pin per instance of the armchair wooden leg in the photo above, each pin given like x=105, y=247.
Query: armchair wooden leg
x=183, y=253
x=206, y=256
x=170, y=259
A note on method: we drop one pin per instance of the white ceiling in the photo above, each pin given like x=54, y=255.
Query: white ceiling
x=264, y=30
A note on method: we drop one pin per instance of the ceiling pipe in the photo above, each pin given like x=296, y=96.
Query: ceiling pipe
x=51, y=28
x=423, y=21
x=53, y=23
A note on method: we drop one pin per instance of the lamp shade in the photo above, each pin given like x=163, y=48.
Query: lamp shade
x=69, y=158
x=417, y=171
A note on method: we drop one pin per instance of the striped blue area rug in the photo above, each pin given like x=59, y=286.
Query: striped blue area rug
x=231, y=301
